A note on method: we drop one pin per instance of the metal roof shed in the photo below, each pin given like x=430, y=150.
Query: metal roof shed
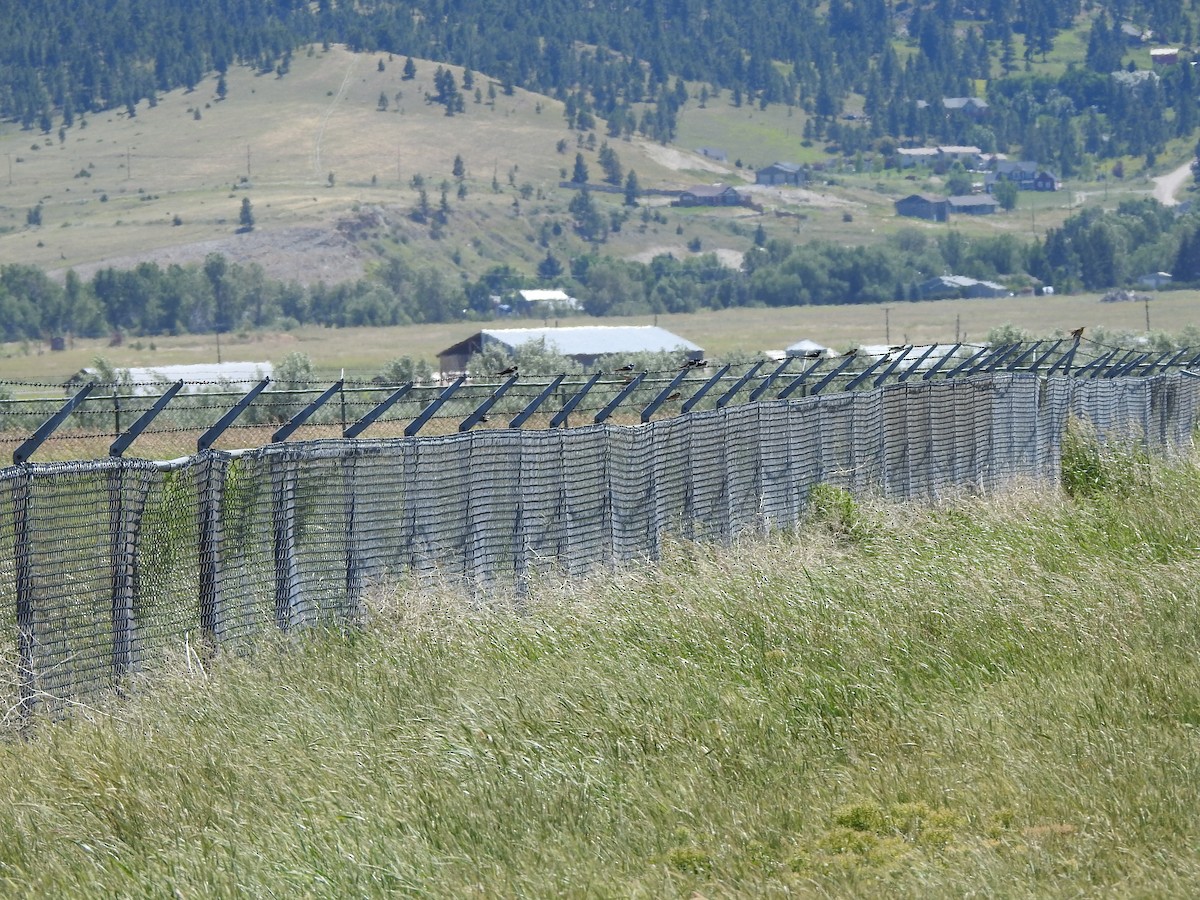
x=585, y=344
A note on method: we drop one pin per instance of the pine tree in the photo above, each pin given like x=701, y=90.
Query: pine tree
x=632, y=189
x=580, y=174
x=246, y=216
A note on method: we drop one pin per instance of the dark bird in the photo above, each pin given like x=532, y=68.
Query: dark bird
x=853, y=351
x=674, y=396
x=511, y=370
x=897, y=349
x=687, y=364
x=1077, y=333
x=813, y=354
x=625, y=368
x=483, y=420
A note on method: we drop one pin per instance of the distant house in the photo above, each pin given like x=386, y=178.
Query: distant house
x=974, y=205
x=1046, y=181
x=945, y=286
x=971, y=106
x=1154, y=280
x=584, y=344
x=1164, y=56
x=807, y=348
x=545, y=302
x=710, y=195
x=1025, y=174
x=965, y=155
x=1022, y=172
x=781, y=173
x=195, y=376
x=1135, y=34
x=714, y=153
x=944, y=155
x=914, y=156
x=924, y=206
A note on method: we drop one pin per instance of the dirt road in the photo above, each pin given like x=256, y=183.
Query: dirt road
x=1167, y=186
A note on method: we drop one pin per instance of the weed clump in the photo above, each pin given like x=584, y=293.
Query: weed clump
x=1092, y=468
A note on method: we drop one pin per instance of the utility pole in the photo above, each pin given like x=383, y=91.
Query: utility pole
x=1146, y=303
x=247, y=162
x=887, y=325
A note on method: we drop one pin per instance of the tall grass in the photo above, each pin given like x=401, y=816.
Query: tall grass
x=993, y=697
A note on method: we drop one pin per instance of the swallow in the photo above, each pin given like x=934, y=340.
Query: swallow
x=674, y=396
x=853, y=351
x=483, y=420
x=896, y=349
x=625, y=368
x=1077, y=333
x=511, y=370
x=687, y=364
x=813, y=354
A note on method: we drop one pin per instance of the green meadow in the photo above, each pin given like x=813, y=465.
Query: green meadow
x=988, y=696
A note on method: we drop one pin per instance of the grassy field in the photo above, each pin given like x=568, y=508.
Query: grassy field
x=364, y=351
x=980, y=697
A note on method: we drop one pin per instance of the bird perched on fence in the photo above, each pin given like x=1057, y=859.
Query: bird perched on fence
x=813, y=354
x=511, y=370
x=628, y=367
x=693, y=364
x=1077, y=333
x=853, y=351
x=674, y=396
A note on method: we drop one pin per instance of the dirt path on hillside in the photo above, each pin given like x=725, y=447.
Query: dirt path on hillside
x=1167, y=186
x=316, y=154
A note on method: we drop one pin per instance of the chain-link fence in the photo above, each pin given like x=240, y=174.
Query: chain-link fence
x=118, y=566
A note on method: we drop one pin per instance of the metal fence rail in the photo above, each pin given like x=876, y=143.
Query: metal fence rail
x=116, y=565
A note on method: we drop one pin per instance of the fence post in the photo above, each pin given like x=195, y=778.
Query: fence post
x=353, y=561
x=283, y=527
x=210, y=489
x=122, y=563
x=22, y=498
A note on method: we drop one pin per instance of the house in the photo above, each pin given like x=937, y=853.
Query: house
x=964, y=155
x=1025, y=174
x=807, y=348
x=781, y=173
x=145, y=380
x=974, y=205
x=710, y=195
x=945, y=286
x=584, y=344
x=1164, y=56
x=1046, y=181
x=924, y=206
x=545, y=302
x=1022, y=172
x=1135, y=34
x=913, y=156
x=970, y=106
x=1155, y=280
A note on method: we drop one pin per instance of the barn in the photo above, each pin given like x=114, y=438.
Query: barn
x=584, y=344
